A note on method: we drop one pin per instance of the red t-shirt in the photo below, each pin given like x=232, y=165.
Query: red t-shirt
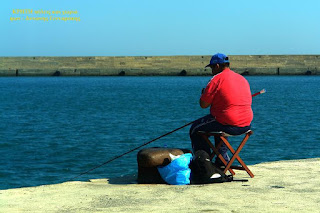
x=230, y=98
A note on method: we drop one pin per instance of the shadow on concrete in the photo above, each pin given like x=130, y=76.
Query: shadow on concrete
x=124, y=180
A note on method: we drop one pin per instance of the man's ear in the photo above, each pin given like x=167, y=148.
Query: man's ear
x=215, y=69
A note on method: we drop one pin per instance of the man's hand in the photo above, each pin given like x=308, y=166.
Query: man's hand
x=204, y=104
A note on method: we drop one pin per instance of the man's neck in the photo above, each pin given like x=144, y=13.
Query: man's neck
x=220, y=70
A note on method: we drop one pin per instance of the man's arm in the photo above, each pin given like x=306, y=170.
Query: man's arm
x=203, y=104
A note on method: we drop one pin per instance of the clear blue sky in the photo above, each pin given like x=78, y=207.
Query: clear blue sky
x=166, y=27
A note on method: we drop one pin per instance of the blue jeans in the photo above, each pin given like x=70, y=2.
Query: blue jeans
x=209, y=124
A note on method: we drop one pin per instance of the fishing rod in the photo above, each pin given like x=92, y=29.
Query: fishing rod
x=119, y=156
x=258, y=93
x=138, y=147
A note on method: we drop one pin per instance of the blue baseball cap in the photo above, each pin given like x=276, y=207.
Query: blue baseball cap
x=218, y=58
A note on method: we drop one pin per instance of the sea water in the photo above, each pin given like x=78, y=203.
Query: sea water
x=55, y=128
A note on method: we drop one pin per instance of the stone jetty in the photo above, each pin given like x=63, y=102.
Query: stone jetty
x=282, y=186
x=156, y=65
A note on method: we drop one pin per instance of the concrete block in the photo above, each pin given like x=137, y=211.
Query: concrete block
x=35, y=72
x=7, y=72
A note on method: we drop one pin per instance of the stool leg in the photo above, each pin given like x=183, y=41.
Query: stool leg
x=216, y=145
x=216, y=151
x=236, y=155
x=219, y=143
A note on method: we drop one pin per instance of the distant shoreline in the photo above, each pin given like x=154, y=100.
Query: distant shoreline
x=156, y=65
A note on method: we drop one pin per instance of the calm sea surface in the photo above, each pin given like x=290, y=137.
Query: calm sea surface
x=54, y=128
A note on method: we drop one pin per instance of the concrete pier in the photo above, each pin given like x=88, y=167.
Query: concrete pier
x=156, y=65
x=283, y=186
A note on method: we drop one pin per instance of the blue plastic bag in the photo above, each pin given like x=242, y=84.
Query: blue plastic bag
x=177, y=172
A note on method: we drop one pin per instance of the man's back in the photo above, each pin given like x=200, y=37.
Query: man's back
x=230, y=97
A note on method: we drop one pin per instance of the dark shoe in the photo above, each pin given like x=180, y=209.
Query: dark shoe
x=219, y=164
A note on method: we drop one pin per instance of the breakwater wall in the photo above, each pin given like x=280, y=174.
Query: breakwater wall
x=156, y=65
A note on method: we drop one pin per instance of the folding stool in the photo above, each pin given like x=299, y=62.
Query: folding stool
x=223, y=136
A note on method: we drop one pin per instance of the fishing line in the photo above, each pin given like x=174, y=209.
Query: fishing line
x=168, y=133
